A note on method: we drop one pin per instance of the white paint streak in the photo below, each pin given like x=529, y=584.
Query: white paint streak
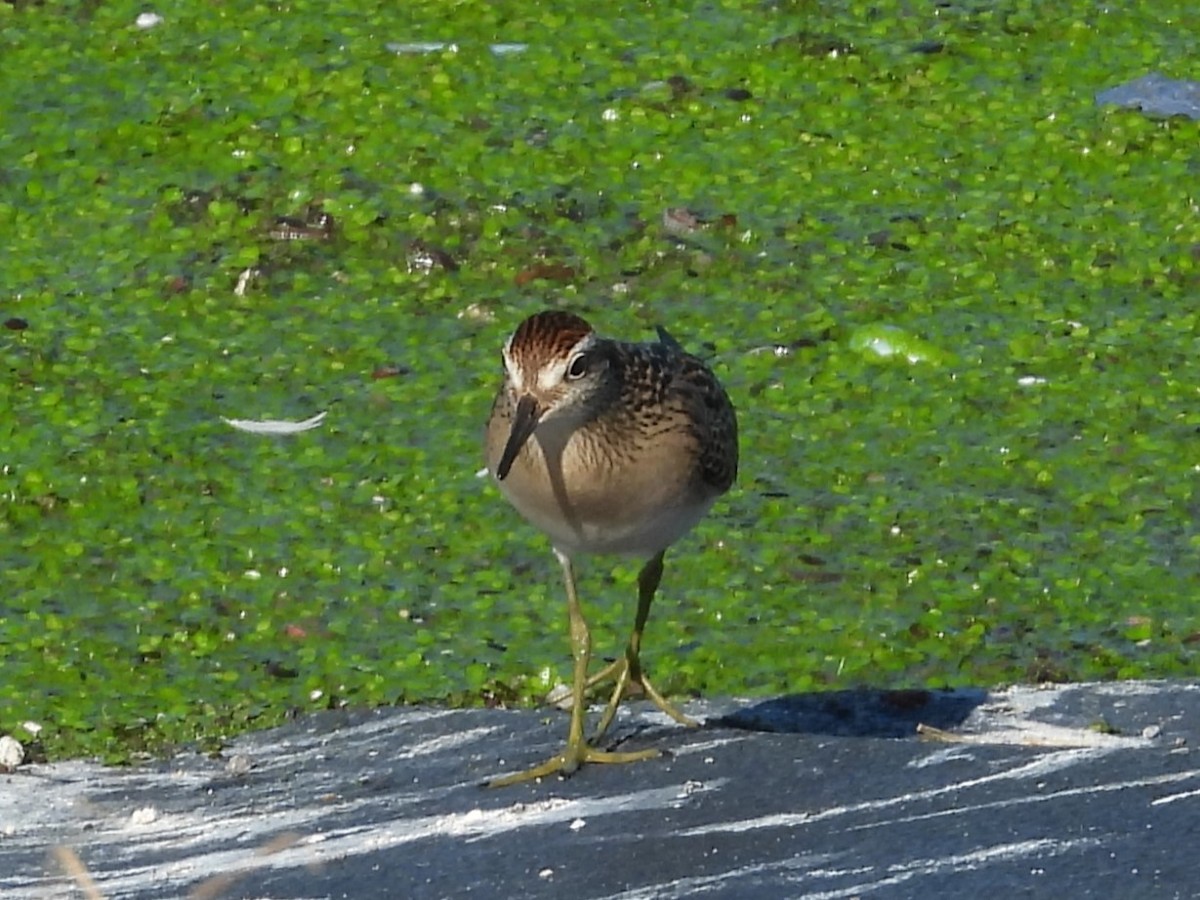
x=705, y=746
x=214, y=839
x=1136, y=688
x=811, y=870
x=1038, y=768
x=344, y=843
x=702, y=884
x=1050, y=796
x=1005, y=719
x=898, y=873
x=444, y=743
x=953, y=753
x=1043, y=734
x=315, y=744
x=1171, y=798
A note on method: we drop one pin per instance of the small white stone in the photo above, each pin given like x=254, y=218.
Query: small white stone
x=12, y=754
x=1150, y=732
x=577, y=824
x=148, y=20
x=145, y=815
x=239, y=764
x=688, y=788
x=546, y=873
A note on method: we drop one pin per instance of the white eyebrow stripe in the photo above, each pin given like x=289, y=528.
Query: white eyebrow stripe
x=554, y=371
x=512, y=369
x=551, y=375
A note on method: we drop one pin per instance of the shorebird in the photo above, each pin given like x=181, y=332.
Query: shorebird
x=607, y=447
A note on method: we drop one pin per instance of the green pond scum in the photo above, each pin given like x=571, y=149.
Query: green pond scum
x=954, y=301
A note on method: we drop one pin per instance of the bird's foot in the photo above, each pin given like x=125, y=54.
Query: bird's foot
x=626, y=683
x=625, y=675
x=563, y=697
x=567, y=762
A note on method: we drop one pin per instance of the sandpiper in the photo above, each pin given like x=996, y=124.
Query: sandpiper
x=609, y=448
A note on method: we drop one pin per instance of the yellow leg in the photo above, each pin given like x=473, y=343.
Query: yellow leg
x=629, y=667
x=577, y=751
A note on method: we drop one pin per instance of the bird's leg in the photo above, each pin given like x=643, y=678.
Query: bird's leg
x=629, y=667
x=577, y=751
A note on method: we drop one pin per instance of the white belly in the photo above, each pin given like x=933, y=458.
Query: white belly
x=641, y=532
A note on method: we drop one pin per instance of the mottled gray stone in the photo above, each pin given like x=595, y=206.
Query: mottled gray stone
x=1079, y=791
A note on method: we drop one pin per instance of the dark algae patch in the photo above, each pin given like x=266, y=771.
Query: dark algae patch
x=954, y=300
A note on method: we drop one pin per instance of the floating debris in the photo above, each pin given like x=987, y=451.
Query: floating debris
x=315, y=225
x=423, y=258
x=422, y=47
x=419, y=47
x=245, y=278
x=890, y=341
x=275, y=426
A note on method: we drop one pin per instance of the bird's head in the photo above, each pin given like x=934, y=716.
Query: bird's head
x=555, y=368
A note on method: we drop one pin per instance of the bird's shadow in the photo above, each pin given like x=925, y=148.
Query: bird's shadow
x=863, y=712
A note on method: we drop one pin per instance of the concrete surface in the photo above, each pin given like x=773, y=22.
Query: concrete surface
x=1064, y=792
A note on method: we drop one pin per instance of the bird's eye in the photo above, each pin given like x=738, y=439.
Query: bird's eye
x=577, y=367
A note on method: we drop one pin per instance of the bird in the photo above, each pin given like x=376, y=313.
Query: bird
x=609, y=448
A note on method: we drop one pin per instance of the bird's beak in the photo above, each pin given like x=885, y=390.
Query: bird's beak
x=525, y=420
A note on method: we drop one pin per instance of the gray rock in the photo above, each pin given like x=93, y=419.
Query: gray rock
x=1156, y=96
x=1079, y=791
